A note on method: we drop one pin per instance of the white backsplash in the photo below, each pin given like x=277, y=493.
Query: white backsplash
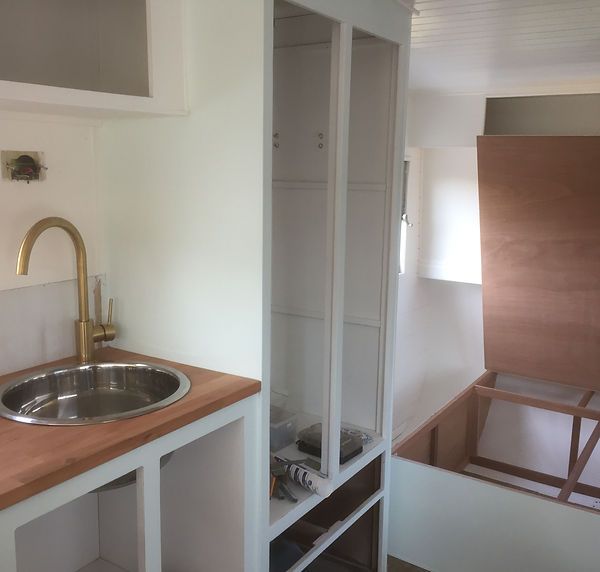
x=37, y=324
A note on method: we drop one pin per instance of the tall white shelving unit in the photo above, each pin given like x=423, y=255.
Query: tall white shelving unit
x=339, y=81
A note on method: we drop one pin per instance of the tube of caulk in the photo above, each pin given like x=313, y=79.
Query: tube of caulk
x=318, y=484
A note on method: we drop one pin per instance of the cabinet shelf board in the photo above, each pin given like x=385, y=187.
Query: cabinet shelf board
x=101, y=565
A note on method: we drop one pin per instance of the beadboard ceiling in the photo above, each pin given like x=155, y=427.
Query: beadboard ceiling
x=506, y=46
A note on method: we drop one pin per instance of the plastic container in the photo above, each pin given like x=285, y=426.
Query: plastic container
x=284, y=425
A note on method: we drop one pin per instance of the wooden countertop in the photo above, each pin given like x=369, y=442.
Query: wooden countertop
x=34, y=458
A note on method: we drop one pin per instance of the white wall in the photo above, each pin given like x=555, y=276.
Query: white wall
x=439, y=339
x=183, y=203
x=69, y=190
x=450, y=236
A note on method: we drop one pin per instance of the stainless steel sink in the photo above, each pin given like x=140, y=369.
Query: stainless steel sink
x=91, y=393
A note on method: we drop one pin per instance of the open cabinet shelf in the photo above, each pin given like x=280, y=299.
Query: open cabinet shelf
x=295, y=547
x=283, y=513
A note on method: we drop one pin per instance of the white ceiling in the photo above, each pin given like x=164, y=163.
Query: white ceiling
x=506, y=46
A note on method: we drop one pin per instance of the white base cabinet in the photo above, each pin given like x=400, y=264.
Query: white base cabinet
x=196, y=513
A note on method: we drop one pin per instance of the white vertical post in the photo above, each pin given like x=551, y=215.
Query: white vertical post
x=148, y=517
x=255, y=554
x=390, y=289
x=8, y=549
x=263, y=435
x=337, y=193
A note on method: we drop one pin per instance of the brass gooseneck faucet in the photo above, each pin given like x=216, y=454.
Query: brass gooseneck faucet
x=86, y=333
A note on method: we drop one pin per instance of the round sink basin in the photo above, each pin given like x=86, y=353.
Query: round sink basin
x=91, y=393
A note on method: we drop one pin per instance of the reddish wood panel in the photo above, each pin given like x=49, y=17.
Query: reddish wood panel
x=35, y=457
x=540, y=236
x=418, y=448
x=452, y=443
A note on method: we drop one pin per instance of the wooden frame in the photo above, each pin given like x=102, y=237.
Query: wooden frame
x=449, y=439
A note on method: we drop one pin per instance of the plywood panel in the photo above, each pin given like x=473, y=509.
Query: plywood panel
x=452, y=439
x=540, y=236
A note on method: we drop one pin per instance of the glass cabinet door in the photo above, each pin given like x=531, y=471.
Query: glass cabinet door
x=302, y=69
x=368, y=227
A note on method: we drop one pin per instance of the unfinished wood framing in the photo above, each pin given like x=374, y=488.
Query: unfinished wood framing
x=449, y=439
x=576, y=431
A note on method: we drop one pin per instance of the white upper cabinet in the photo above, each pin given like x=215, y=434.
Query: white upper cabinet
x=92, y=57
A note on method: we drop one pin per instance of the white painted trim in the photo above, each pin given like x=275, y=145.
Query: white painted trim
x=322, y=186
x=382, y=18
x=255, y=481
x=390, y=293
x=368, y=41
x=148, y=515
x=8, y=552
x=262, y=460
x=320, y=315
x=337, y=194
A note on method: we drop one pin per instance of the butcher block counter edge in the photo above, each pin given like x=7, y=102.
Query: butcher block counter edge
x=35, y=458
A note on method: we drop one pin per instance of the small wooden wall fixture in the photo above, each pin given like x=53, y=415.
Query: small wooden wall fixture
x=449, y=439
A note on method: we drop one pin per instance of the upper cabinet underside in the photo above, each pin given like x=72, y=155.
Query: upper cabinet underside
x=92, y=57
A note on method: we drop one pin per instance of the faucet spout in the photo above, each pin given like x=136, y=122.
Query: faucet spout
x=85, y=332
x=80, y=253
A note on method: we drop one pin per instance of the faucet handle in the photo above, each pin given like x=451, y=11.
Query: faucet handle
x=106, y=332
x=110, y=311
